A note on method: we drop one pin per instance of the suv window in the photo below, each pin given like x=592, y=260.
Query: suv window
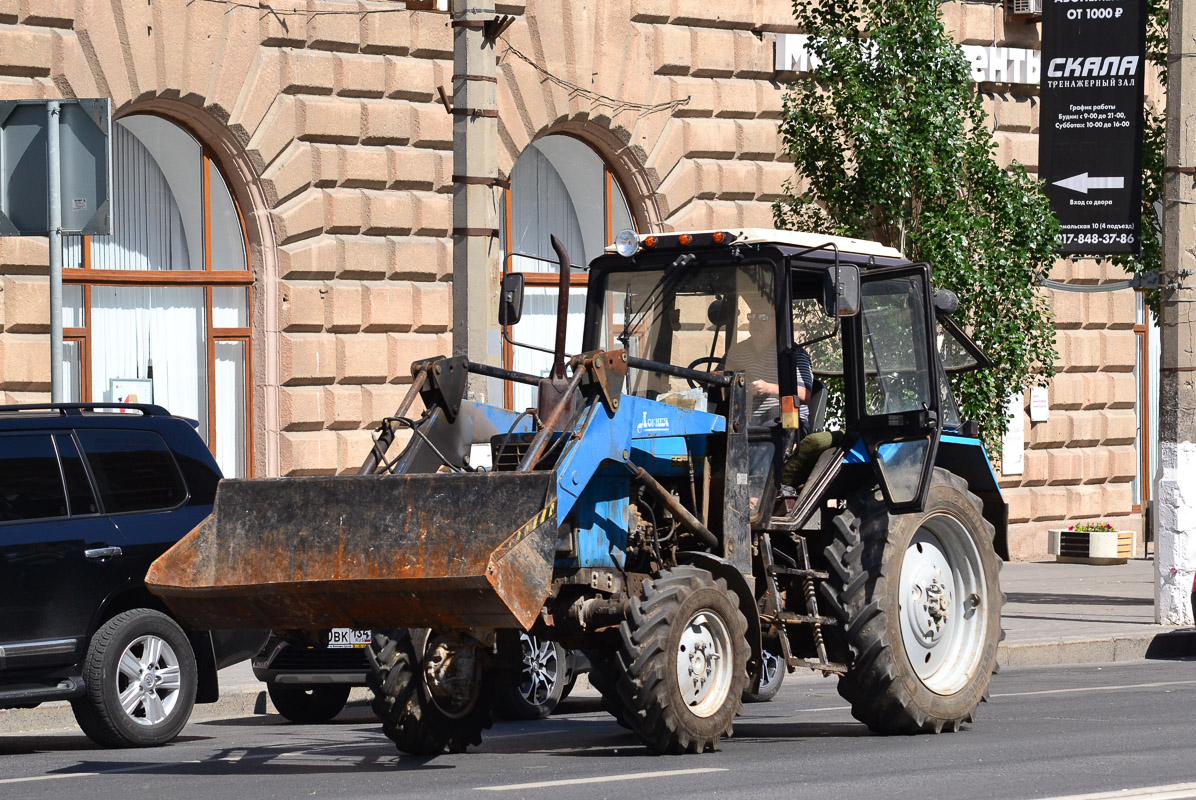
x=78, y=487
x=30, y=482
x=134, y=470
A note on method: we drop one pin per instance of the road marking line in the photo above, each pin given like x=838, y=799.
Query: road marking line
x=603, y=779
x=1119, y=687
x=1171, y=791
x=64, y=775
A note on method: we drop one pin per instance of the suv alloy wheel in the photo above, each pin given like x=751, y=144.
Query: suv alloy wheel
x=141, y=677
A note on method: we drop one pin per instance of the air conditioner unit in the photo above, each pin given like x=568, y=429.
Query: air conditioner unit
x=1025, y=8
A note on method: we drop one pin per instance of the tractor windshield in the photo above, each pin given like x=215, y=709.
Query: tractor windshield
x=707, y=318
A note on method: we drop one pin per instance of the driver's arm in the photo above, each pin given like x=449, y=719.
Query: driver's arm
x=805, y=375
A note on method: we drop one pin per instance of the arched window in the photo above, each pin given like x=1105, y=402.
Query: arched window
x=559, y=186
x=159, y=310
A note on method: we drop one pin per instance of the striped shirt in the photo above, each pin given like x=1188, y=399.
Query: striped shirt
x=761, y=364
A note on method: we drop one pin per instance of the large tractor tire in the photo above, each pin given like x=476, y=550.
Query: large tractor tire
x=683, y=658
x=919, y=600
x=432, y=693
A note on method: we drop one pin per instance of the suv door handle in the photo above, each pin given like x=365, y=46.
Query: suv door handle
x=103, y=552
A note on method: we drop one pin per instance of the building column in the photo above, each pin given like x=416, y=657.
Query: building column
x=476, y=246
x=1175, y=547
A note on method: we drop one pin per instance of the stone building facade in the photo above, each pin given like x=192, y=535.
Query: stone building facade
x=324, y=120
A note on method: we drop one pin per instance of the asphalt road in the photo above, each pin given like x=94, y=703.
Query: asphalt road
x=1049, y=732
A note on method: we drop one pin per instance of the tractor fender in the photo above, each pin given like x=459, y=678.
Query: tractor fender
x=967, y=458
x=738, y=583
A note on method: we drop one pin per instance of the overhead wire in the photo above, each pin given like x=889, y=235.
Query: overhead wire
x=599, y=100
x=617, y=106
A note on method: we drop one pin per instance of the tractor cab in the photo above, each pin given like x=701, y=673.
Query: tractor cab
x=795, y=313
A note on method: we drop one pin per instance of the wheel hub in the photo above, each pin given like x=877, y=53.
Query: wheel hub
x=701, y=664
x=703, y=673
x=450, y=675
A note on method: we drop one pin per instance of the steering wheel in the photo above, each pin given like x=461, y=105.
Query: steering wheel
x=715, y=362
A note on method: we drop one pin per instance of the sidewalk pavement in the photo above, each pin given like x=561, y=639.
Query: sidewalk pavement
x=1053, y=614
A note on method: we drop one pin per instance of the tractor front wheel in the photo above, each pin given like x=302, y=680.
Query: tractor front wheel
x=432, y=692
x=683, y=662
x=920, y=604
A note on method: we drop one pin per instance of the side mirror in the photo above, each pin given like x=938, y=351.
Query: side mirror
x=510, y=299
x=841, y=291
x=946, y=303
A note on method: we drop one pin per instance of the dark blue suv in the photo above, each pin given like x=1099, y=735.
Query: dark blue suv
x=90, y=495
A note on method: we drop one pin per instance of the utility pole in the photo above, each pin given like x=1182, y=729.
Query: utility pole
x=476, y=246
x=54, y=195
x=1175, y=543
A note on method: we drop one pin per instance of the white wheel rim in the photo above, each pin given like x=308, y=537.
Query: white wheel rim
x=148, y=680
x=540, y=669
x=942, y=603
x=704, y=663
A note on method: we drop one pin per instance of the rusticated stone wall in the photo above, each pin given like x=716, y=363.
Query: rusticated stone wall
x=330, y=131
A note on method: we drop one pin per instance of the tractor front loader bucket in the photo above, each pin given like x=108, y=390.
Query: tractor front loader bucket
x=445, y=551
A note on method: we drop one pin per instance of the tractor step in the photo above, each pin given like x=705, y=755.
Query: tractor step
x=789, y=618
x=825, y=667
x=798, y=573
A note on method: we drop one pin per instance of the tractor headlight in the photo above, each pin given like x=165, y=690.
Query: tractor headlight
x=627, y=243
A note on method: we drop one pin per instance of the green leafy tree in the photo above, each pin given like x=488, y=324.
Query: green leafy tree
x=890, y=142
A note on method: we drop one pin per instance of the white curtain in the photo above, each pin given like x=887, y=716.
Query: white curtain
x=558, y=187
x=538, y=327
x=149, y=228
x=132, y=325
x=230, y=408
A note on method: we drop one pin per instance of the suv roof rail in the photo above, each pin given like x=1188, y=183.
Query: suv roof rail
x=77, y=409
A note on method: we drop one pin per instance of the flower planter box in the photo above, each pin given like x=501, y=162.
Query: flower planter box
x=1090, y=547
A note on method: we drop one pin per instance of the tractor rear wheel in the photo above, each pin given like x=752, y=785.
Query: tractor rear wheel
x=920, y=604
x=683, y=662
x=432, y=692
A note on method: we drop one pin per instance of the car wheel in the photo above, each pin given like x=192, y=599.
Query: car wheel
x=765, y=685
x=541, y=684
x=309, y=705
x=141, y=677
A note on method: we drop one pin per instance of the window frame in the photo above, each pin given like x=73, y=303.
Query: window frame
x=577, y=280
x=207, y=278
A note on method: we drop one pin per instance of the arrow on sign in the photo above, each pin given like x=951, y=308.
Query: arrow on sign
x=1082, y=183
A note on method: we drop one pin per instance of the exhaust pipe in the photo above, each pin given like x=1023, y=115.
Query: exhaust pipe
x=562, y=308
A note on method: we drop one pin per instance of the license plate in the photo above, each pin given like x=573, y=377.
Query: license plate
x=347, y=637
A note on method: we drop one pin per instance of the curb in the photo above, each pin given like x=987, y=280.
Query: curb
x=250, y=701
x=1133, y=647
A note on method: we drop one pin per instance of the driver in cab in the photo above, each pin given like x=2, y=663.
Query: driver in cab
x=756, y=356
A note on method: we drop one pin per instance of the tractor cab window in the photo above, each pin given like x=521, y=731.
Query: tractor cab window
x=705, y=318
x=817, y=334
x=896, y=375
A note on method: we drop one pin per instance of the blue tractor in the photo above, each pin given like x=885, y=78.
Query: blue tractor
x=676, y=506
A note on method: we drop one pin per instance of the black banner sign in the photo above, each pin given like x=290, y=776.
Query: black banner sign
x=1090, y=129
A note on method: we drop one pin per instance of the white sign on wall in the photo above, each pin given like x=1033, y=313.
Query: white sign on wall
x=990, y=64
x=1013, y=450
x=1040, y=409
